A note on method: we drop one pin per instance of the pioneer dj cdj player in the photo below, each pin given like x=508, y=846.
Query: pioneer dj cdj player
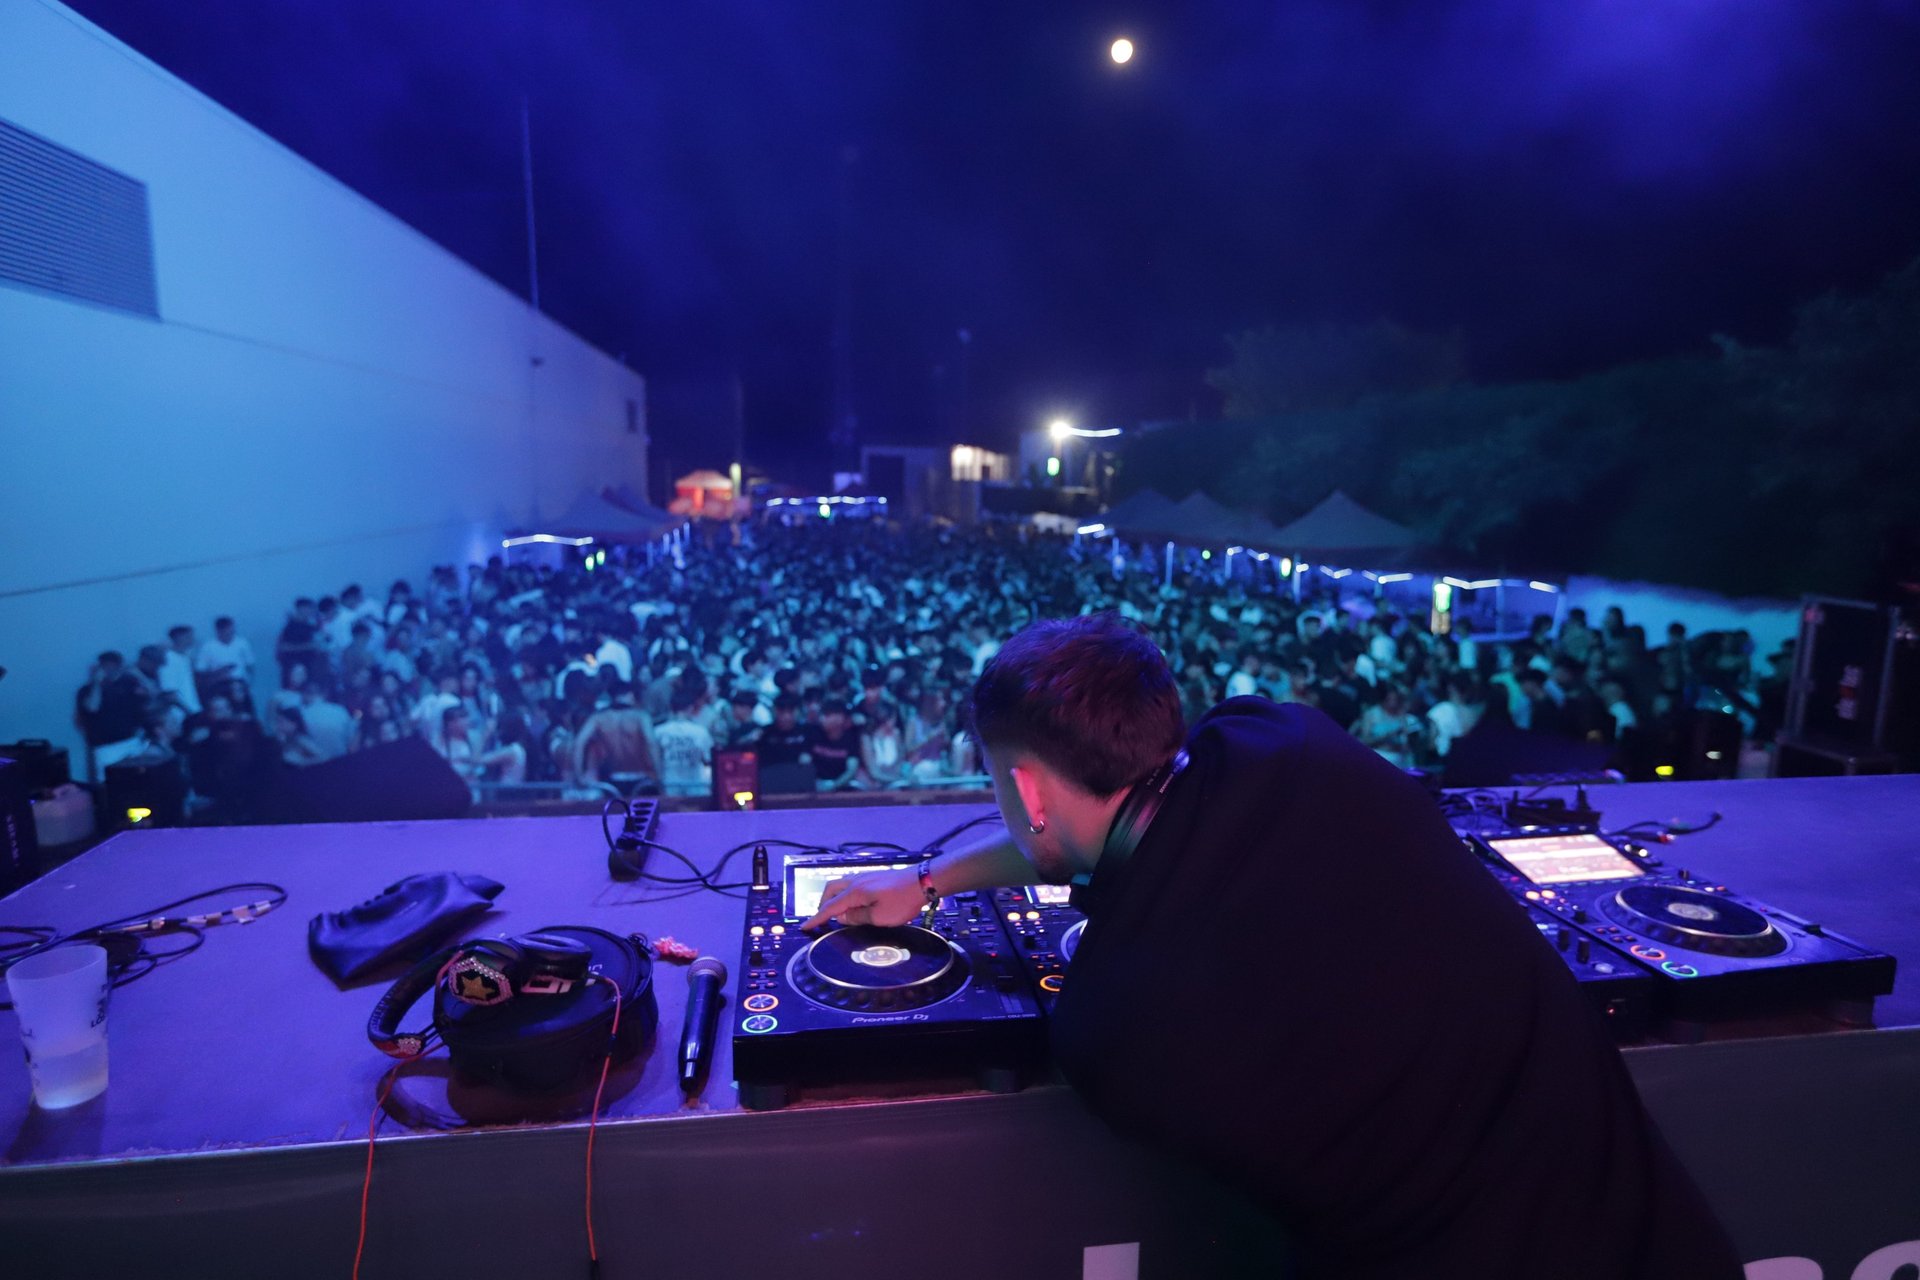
x=862, y=1003
x=1712, y=952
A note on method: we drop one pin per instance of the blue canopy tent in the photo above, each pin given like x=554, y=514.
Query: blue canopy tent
x=626, y=497
x=589, y=520
x=1140, y=515
x=1340, y=537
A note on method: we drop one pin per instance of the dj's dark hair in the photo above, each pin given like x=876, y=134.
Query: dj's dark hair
x=1091, y=697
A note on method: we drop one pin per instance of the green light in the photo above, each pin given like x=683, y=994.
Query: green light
x=825, y=511
x=1053, y=466
x=1206, y=555
x=1442, y=596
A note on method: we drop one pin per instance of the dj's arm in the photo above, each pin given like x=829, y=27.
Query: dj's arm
x=895, y=897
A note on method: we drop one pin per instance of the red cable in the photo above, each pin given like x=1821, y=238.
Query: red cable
x=593, y=1124
x=366, y=1184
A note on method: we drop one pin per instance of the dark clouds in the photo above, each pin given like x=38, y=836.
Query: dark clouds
x=1569, y=183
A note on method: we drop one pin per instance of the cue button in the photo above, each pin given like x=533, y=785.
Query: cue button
x=1051, y=983
x=760, y=1003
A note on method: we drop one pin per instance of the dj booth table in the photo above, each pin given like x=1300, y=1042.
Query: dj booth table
x=232, y=1138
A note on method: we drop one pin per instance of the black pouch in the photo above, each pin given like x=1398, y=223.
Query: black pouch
x=400, y=924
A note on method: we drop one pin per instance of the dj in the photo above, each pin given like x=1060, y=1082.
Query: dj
x=1295, y=975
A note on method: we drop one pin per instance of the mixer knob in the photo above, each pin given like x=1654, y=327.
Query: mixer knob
x=1579, y=915
x=1584, y=952
x=1685, y=874
x=1563, y=939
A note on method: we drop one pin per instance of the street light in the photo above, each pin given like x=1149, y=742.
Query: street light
x=1121, y=51
x=1059, y=429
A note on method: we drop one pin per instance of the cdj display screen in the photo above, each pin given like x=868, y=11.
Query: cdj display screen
x=1565, y=859
x=806, y=881
x=1049, y=895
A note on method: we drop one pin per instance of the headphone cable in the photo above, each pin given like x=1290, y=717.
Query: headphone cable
x=593, y=1123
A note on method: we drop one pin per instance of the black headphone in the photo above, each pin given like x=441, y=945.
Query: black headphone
x=485, y=971
x=1136, y=812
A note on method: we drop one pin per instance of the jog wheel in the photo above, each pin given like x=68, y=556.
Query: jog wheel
x=1698, y=921
x=1070, y=940
x=877, y=970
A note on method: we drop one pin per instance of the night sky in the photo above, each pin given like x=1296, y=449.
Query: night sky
x=1568, y=183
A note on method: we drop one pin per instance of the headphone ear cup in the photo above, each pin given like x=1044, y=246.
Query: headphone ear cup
x=552, y=954
x=1121, y=835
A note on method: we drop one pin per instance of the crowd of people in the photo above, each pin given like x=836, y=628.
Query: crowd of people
x=840, y=652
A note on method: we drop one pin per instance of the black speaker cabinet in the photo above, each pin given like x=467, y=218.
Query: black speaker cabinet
x=148, y=794
x=736, y=780
x=46, y=765
x=1854, y=678
x=19, y=846
x=393, y=782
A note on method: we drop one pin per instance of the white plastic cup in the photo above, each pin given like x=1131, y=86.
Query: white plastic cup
x=60, y=997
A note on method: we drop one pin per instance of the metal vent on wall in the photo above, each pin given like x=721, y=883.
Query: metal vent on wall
x=73, y=227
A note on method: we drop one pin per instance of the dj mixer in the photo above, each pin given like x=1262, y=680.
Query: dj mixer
x=1044, y=931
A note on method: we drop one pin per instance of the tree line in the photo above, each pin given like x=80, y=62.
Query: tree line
x=1749, y=471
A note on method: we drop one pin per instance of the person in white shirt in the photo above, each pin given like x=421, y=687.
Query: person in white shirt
x=1389, y=729
x=981, y=646
x=429, y=713
x=327, y=632
x=1382, y=649
x=1468, y=647
x=336, y=625
x=356, y=605
x=227, y=656
x=331, y=732
x=684, y=747
x=617, y=655
x=176, y=670
x=1245, y=681
x=1615, y=695
x=1456, y=716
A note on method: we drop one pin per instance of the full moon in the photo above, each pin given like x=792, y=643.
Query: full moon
x=1122, y=50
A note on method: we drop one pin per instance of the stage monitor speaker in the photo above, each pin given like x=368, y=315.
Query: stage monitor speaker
x=146, y=793
x=19, y=846
x=788, y=780
x=1850, y=665
x=736, y=780
x=46, y=765
x=1495, y=755
x=394, y=782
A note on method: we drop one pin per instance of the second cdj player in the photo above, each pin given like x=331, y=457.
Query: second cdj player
x=1293, y=974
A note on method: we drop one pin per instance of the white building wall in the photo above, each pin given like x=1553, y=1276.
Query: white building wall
x=327, y=396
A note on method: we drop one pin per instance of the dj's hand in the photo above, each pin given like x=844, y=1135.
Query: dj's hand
x=872, y=897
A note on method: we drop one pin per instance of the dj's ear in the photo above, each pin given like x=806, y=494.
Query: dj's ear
x=1027, y=784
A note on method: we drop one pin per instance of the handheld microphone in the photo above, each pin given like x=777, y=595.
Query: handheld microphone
x=705, y=977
